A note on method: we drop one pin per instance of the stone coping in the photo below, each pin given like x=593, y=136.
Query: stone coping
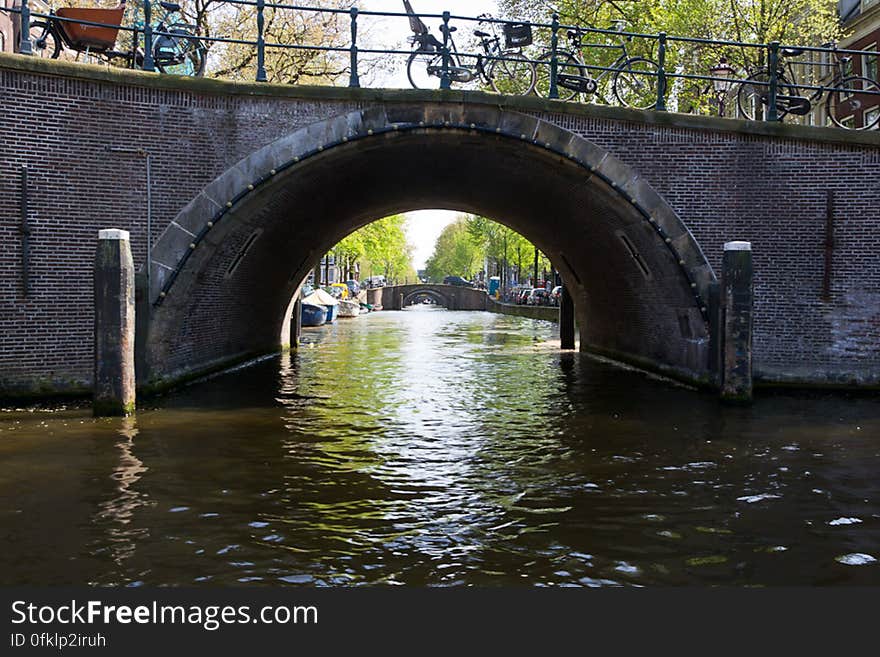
x=122, y=76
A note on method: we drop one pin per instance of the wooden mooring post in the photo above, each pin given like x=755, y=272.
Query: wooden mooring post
x=114, y=282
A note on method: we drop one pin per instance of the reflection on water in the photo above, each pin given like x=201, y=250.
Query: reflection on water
x=443, y=448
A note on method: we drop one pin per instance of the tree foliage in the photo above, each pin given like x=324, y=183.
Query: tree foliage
x=218, y=19
x=455, y=253
x=282, y=26
x=379, y=248
x=471, y=241
x=805, y=22
x=752, y=21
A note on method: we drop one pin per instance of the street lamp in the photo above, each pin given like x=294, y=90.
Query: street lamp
x=724, y=78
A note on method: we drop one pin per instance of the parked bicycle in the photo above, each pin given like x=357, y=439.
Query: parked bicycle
x=633, y=80
x=175, y=50
x=849, y=97
x=503, y=68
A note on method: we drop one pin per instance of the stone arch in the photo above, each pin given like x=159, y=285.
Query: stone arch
x=220, y=270
x=440, y=298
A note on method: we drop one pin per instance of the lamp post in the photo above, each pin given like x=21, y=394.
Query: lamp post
x=723, y=82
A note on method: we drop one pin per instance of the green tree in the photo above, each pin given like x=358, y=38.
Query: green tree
x=455, y=254
x=806, y=22
x=378, y=248
x=511, y=254
x=471, y=240
x=282, y=26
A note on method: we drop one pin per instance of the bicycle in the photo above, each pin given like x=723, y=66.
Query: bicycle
x=633, y=80
x=848, y=95
x=175, y=49
x=504, y=69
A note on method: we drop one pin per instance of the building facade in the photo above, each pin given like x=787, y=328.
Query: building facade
x=10, y=23
x=333, y=270
x=861, y=21
x=7, y=31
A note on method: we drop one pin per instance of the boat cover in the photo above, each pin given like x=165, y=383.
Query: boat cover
x=320, y=298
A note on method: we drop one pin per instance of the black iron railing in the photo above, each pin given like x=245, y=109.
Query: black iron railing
x=772, y=86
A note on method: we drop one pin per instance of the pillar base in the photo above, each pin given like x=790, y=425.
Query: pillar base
x=566, y=319
x=736, y=327
x=112, y=408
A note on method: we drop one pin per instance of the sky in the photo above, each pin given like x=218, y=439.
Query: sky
x=422, y=227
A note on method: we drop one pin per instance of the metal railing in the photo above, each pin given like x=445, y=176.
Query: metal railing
x=658, y=44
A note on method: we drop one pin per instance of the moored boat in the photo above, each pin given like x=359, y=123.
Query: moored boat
x=313, y=314
x=348, y=308
x=321, y=298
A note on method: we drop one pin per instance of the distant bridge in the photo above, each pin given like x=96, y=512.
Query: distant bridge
x=452, y=297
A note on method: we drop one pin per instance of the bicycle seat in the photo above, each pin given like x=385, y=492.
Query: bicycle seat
x=481, y=34
x=170, y=6
x=792, y=52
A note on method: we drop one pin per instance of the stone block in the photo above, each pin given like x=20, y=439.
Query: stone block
x=197, y=213
x=519, y=126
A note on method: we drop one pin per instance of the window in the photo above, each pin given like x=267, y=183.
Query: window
x=869, y=63
x=872, y=116
x=848, y=121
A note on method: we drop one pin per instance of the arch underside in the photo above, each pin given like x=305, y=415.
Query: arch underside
x=438, y=298
x=224, y=272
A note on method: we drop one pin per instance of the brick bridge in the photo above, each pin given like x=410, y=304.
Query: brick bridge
x=251, y=184
x=397, y=297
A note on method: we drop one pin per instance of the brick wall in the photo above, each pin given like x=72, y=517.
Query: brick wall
x=724, y=185
x=547, y=313
x=773, y=192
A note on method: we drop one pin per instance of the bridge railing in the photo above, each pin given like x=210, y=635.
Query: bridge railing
x=615, y=66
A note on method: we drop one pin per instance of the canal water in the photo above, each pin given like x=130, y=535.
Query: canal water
x=429, y=447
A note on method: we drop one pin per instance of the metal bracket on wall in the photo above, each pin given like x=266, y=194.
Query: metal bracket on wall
x=829, y=246
x=25, y=231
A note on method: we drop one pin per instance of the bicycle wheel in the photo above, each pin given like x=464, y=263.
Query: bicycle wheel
x=752, y=95
x=178, y=52
x=44, y=42
x=513, y=75
x=567, y=64
x=635, y=84
x=423, y=69
x=850, y=99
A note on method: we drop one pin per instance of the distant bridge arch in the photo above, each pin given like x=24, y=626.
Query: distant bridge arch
x=425, y=295
x=397, y=297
